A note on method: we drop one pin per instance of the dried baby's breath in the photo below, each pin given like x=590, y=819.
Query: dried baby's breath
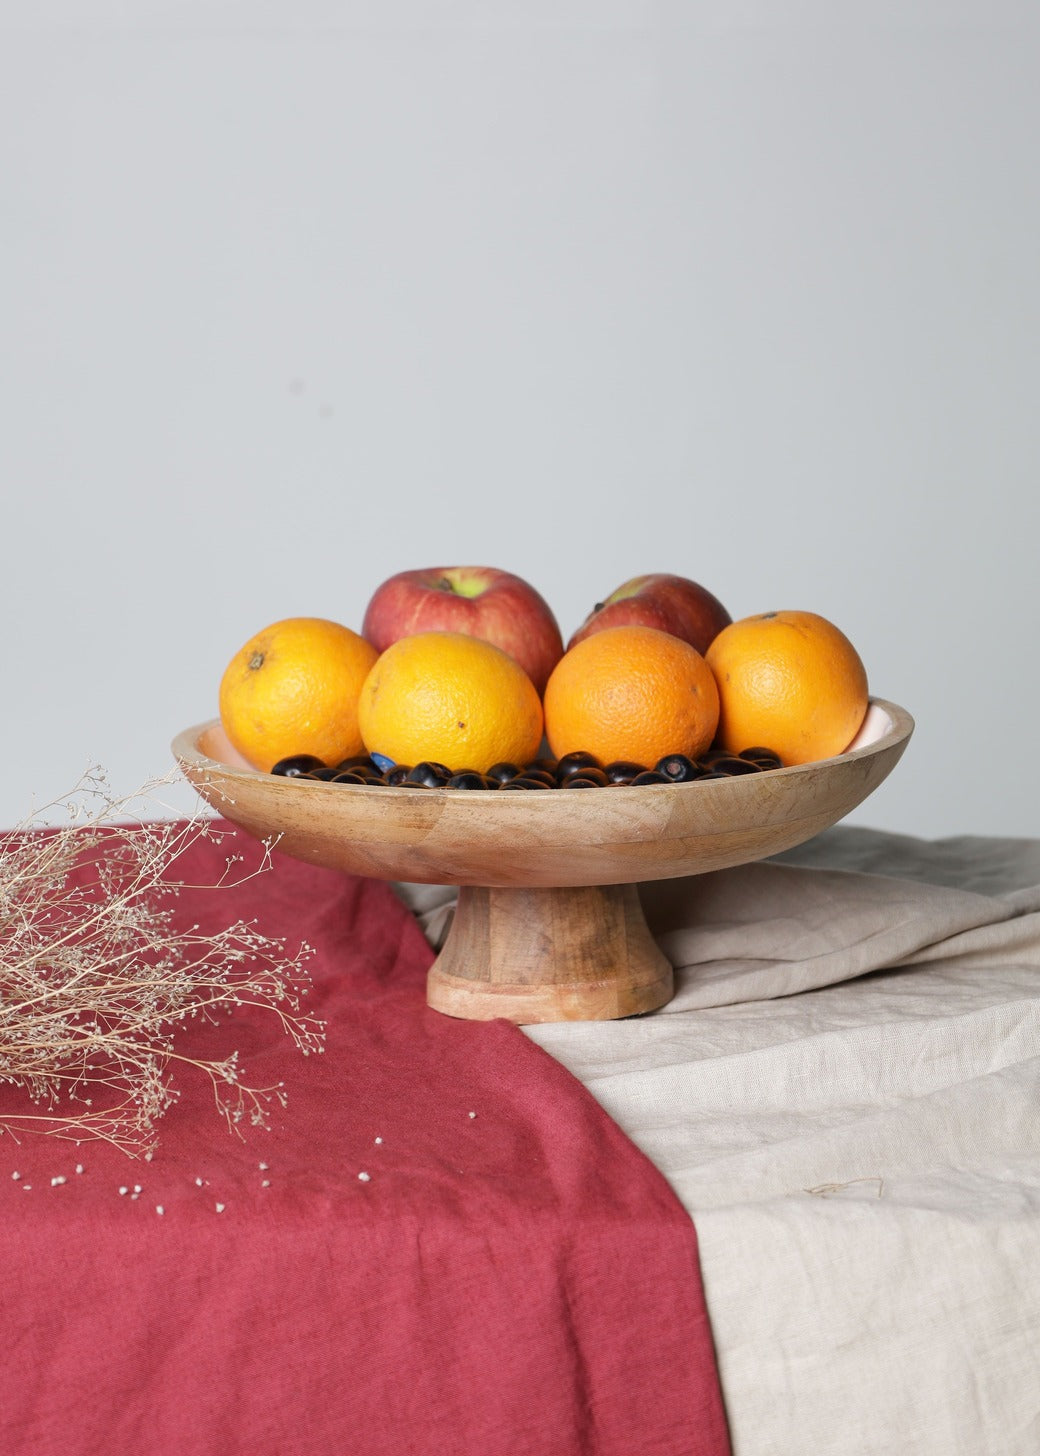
x=97, y=982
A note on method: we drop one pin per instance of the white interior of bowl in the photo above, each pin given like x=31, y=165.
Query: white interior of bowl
x=873, y=728
x=214, y=743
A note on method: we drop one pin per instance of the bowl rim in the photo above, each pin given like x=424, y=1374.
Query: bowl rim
x=185, y=750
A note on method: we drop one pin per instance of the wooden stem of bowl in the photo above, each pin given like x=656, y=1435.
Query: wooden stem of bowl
x=529, y=955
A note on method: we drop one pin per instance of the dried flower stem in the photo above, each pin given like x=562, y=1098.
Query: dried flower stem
x=95, y=978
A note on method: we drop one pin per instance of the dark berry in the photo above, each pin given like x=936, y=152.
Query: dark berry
x=650, y=776
x=543, y=776
x=369, y=775
x=428, y=774
x=764, y=757
x=527, y=781
x=546, y=765
x=503, y=772
x=297, y=765
x=623, y=771
x=677, y=768
x=572, y=763
x=470, y=779
x=732, y=766
x=582, y=781
x=397, y=774
x=591, y=773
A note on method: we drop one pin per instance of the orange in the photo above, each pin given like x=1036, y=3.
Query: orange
x=631, y=693
x=451, y=698
x=293, y=688
x=790, y=681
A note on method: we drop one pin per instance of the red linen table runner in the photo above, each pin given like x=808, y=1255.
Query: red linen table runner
x=511, y=1276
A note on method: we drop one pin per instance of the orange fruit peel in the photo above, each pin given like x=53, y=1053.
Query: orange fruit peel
x=632, y=693
x=294, y=688
x=790, y=680
x=450, y=698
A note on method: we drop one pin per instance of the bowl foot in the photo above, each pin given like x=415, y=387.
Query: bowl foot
x=530, y=955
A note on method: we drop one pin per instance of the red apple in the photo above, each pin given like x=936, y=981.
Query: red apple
x=481, y=601
x=670, y=603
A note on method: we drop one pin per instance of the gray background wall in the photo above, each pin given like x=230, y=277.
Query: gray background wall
x=297, y=295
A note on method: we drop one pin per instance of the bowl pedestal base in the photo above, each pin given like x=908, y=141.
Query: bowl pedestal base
x=541, y=954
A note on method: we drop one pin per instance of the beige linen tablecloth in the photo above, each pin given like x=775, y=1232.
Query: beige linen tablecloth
x=844, y=1093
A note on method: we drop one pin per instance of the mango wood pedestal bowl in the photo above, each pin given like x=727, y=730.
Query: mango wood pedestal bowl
x=548, y=925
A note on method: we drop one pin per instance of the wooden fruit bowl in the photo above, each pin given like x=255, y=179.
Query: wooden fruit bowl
x=548, y=925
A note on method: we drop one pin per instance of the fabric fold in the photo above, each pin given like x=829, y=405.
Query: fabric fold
x=442, y=1244
x=845, y=1101
x=828, y=911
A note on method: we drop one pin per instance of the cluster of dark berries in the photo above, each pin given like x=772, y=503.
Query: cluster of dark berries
x=573, y=771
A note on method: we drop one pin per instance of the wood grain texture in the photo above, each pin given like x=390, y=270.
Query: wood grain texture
x=600, y=837
x=578, y=954
x=560, y=954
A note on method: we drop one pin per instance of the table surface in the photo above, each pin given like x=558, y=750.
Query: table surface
x=442, y=1244
x=826, y=1145
x=843, y=1094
